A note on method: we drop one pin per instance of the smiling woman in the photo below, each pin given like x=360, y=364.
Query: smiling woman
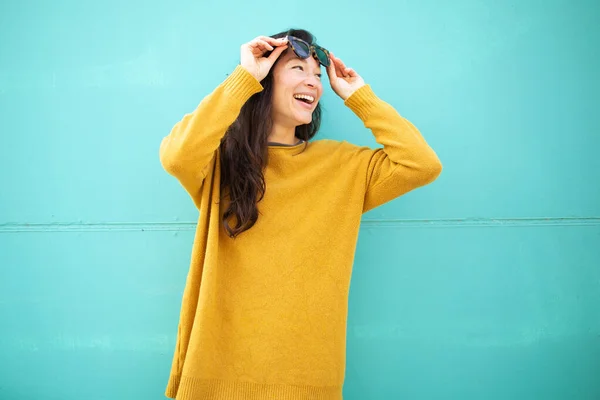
x=297, y=90
x=264, y=310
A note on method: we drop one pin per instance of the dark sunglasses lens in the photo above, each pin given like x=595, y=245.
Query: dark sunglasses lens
x=301, y=47
x=323, y=58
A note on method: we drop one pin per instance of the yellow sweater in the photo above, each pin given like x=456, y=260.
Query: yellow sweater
x=263, y=316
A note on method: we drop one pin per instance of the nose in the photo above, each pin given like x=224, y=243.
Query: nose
x=312, y=81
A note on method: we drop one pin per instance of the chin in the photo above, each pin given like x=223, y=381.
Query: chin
x=303, y=120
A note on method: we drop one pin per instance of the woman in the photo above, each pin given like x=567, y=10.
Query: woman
x=264, y=310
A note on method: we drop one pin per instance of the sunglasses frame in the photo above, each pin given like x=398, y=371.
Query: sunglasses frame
x=312, y=50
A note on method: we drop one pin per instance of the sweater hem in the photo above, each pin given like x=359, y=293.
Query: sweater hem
x=191, y=388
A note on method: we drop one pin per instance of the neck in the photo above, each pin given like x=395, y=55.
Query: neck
x=283, y=134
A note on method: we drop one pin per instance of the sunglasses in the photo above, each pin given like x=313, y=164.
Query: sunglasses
x=304, y=50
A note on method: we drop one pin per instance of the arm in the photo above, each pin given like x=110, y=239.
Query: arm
x=190, y=146
x=405, y=162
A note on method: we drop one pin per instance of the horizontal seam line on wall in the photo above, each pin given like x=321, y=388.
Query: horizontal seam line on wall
x=365, y=223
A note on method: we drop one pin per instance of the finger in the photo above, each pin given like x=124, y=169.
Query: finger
x=273, y=41
x=331, y=73
x=341, y=63
x=263, y=44
x=333, y=58
x=338, y=69
x=276, y=53
x=256, y=49
x=343, y=68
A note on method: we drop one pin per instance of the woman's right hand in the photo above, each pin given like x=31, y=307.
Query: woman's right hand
x=252, y=55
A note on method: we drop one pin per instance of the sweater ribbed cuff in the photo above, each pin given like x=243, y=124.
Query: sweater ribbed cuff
x=241, y=84
x=362, y=101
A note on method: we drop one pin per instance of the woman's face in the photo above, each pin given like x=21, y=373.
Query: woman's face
x=294, y=77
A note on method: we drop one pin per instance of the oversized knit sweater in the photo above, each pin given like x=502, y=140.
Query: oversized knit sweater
x=263, y=316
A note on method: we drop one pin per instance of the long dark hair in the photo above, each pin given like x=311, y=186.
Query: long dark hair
x=244, y=150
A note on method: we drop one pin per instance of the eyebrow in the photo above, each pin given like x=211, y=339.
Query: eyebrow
x=304, y=61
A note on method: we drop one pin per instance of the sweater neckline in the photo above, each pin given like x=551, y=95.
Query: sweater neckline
x=274, y=145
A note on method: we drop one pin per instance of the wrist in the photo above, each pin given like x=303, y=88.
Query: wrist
x=252, y=72
x=363, y=101
x=345, y=96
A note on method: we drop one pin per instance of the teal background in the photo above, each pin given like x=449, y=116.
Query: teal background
x=483, y=285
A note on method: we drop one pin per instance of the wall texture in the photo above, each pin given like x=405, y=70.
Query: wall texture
x=485, y=284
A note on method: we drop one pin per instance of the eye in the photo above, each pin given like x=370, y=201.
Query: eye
x=298, y=66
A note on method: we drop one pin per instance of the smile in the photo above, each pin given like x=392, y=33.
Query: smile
x=305, y=98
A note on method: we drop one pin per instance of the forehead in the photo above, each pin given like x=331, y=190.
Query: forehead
x=289, y=56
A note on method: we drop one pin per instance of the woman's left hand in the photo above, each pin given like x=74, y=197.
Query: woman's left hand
x=344, y=81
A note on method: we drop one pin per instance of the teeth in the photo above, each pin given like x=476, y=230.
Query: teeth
x=304, y=96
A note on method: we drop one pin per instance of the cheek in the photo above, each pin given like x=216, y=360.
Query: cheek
x=282, y=101
x=320, y=91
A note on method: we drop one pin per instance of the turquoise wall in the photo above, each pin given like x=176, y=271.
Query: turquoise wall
x=483, y=285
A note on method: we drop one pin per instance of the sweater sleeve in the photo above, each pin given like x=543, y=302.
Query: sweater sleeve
x=190, y=146
x=405, y=162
